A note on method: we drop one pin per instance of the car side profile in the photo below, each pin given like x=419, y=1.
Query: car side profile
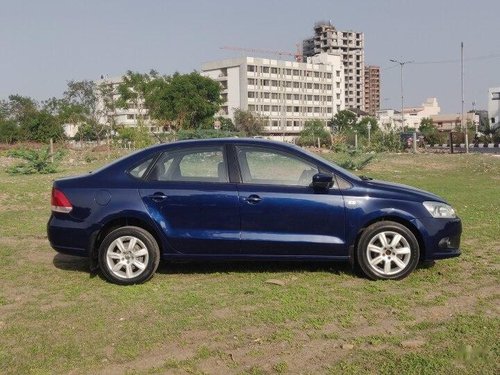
x=244, y=199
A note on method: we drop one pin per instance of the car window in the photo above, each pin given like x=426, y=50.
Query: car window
x=139, y=170
x=266, y=166
x=203, y=164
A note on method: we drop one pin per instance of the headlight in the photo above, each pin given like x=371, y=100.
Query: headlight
x=440, y=210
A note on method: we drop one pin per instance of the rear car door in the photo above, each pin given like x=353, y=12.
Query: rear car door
x=280, y=213
x=188, y=194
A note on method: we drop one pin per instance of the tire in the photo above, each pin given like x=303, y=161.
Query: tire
x=387, y=251
x=129, y=255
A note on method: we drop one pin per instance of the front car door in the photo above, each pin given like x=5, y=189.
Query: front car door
x=280, y=213
x=188, y=194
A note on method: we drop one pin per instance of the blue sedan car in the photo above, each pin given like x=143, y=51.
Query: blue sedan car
x=244, y=199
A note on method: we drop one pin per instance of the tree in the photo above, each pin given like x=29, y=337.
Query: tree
x=249, y=123
x=9, y=131
x=185, y=101
x=313, y=130
x=23, y=119
x=343, y=121
x=134, y=89
x=83, y=105
x=362, y=125
x=430, y=131
x=41, y=127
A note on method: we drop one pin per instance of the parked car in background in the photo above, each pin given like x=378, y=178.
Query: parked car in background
x=244, y=199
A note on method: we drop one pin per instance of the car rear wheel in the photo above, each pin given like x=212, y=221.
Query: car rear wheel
x=387, y=250
x=129, y=255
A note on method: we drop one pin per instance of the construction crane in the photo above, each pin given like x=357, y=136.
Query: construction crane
x=297, y=55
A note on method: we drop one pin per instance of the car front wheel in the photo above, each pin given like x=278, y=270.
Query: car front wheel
x=129, y=255
x=387, y=250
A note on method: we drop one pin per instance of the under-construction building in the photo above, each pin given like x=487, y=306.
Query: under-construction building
x=372, y=89
x=350, y=46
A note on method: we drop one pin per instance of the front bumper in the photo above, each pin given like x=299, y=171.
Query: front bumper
x=441, y=237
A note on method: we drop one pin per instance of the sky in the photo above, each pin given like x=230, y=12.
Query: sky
x=45, y=44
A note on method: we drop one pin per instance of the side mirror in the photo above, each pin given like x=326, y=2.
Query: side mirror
x=322, y=181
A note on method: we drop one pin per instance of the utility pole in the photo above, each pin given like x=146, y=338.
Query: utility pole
x=464, y=125
x=402, y=64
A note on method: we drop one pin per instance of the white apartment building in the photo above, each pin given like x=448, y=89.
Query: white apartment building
x=287, y=93
x=494, y=107
x=350, y=45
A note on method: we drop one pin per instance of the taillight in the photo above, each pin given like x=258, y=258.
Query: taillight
x=60, y=203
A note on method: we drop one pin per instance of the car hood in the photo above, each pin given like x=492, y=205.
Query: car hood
x=404, y=190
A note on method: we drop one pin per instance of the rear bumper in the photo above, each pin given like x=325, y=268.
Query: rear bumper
x=68, y=237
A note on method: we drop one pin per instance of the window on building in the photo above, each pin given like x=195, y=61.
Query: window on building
x=275, y=95
x=338, y=73
x=495, y=96
x=288, y=72
x=316, y=86
x=251, y=107
x=317, y=74
x=130, y=117
x=265, y=69
x=274, y=70
x=275, y=108
x=274, y=83
x=251, y=68
x=251, y=94
x=296, y=96
x=251, y=81
x=296, y=85
x=265, y=82
x=296, y=109
x=265, y=95
x=265, y=108
x=328, y=87
x=328, y=75
x=296, y=72
x=289, y=96
x=316, y=98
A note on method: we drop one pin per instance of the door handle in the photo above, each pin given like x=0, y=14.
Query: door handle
x=157, y=197
x=253, y=199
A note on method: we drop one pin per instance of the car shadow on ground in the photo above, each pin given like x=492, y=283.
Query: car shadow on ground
x=79, y=264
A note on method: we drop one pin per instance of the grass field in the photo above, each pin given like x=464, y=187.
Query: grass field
x=225, y=318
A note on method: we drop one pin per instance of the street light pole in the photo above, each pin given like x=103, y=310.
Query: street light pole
x=401, y=64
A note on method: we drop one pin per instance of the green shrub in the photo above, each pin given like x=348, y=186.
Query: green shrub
x=35, y=161
x=386, y=142
x=205, y=134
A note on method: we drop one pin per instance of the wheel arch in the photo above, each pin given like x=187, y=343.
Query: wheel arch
x=400, y=220
x=118, y=221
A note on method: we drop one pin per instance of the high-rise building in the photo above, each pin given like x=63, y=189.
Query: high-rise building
x=372, y=89
x=286, y=93
x=350, y=46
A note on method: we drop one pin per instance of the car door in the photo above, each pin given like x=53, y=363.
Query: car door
x=188, y=194
x=280, y=213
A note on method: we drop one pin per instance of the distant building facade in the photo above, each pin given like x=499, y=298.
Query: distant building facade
x=412, y=115
x=350, y=46
x=494, y=107
x=286, y=93
x=372, y=89
x=453, y=122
